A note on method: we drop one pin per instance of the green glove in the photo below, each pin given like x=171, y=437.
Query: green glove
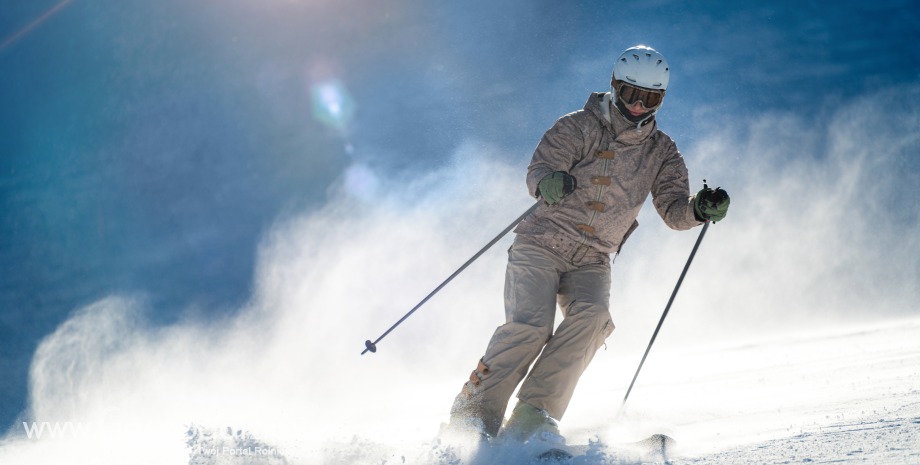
x=554, y=186
x=711, y=204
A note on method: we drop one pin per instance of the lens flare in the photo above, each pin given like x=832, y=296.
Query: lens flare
x=332, y=104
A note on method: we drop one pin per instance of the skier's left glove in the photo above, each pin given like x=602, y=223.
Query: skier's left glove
x=554, y=186
x=711, y=204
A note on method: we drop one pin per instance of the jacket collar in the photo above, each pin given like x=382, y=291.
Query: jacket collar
x=624, y=131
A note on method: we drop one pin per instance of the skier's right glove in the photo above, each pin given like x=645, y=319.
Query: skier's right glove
x=711, y=205
x=554, y=186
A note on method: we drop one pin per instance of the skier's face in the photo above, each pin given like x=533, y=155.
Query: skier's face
x=637, y=100
x=636, y=109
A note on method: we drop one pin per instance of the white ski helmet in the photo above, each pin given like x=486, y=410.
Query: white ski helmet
x=643, y=67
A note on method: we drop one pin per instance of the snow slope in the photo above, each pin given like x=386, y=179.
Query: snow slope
x=851, y=396
x=845, y=396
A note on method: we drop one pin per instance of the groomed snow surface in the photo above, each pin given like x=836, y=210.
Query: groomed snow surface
x=844, y=397
x=850, y=396
x=839, y=397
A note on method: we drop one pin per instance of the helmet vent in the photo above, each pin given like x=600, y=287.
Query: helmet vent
x=659, y=62
x=657, y=84
x=648, y=54
x=623, y=59
x=636, y=56
x=631, y=78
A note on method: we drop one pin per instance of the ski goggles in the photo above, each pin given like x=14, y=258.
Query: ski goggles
x=631, y=94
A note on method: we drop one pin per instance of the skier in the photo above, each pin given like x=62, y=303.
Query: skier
x=594, y=169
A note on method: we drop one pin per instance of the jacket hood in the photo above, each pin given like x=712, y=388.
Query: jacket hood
x=625, y=131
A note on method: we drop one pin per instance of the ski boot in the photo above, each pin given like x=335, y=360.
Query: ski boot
x=529, y=424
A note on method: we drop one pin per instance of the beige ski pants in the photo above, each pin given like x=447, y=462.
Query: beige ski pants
x=535, y=281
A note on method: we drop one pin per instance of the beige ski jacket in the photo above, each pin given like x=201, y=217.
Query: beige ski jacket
x=616, y=166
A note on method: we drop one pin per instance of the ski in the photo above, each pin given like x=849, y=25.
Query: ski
x=654, y=445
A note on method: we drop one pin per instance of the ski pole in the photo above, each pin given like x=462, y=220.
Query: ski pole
x=663, y=315
x=372, y=346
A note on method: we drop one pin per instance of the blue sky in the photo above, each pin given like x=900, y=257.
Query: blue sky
x=146, y=147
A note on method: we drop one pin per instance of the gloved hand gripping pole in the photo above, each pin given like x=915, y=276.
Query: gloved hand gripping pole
x=372, y=346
